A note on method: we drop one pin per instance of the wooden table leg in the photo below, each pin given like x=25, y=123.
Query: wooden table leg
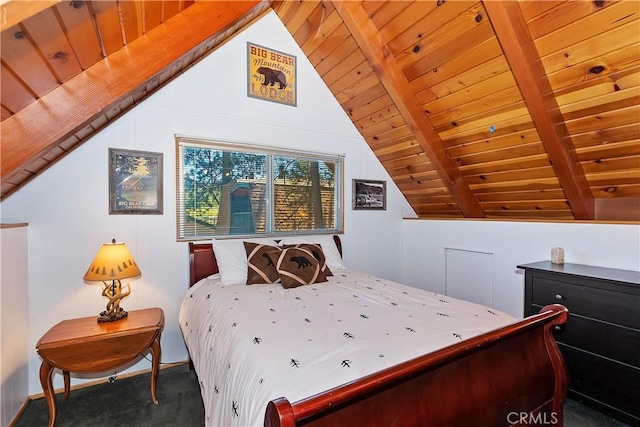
x=45, y=379
x=155, y=365
x=67, y=382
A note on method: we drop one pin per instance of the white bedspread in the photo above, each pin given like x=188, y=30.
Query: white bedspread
x=252, y=344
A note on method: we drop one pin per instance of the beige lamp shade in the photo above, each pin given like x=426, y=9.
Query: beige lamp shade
x=113, y=262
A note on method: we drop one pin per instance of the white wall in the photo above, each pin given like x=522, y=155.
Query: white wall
x=512, y=243
x=67, y=205
x=13, y=320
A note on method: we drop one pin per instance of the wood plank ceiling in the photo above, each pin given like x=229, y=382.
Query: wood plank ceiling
x=477, y=109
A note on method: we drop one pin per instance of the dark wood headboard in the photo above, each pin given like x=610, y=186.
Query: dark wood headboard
x=202, y=260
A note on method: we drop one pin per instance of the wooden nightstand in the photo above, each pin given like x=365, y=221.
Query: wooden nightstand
x=86, y=346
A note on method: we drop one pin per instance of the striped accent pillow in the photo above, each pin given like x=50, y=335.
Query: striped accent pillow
x=318, y=253
x=260, y=267
x=297, y=267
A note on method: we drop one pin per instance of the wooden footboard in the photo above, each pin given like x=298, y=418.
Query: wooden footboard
x=511, y=376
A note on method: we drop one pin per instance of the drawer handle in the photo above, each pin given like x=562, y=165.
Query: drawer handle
x=557, y=328
x=558, y=296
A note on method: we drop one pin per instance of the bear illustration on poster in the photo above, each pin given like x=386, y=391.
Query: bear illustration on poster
x=272, y=77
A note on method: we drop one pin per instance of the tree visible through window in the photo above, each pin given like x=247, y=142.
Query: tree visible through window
x=229, y=189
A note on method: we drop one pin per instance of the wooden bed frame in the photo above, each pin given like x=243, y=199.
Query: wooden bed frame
x=511, y=376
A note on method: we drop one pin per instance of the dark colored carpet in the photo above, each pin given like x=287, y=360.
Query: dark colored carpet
x=577, y=415
x=127, y=402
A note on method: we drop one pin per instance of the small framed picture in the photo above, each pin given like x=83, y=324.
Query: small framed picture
x=369, y=194
x=135, y=182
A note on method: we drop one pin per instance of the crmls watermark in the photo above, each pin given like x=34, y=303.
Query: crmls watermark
x=525, y=418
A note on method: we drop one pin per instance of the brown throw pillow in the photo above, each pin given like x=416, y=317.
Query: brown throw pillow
x=297, y=267
x=260, y=267
x=317, y=252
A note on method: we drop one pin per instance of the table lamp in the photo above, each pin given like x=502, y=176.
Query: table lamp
x=112, y=264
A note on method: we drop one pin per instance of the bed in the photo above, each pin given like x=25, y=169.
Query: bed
x=363, y=351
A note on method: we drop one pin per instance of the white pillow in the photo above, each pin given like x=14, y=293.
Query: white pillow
x=331, y=253
x=232, y=258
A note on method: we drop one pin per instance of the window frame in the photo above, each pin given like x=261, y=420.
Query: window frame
x=258, y=149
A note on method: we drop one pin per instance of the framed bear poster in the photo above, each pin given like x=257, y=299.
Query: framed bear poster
x=271, y=75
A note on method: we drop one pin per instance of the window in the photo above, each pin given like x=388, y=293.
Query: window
x=234, y=189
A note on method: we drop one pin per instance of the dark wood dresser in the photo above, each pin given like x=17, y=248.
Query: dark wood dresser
x=601, y=340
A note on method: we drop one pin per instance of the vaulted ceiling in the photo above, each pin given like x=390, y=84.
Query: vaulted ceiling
x=477, y=109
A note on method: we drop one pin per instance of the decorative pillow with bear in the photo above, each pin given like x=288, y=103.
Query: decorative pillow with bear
x=232, y=258
x=317, y=252
x=331, y=252
x=260, y=267
x=297, y=267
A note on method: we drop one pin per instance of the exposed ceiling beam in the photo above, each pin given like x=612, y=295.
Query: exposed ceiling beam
x=60, y=114
x=519, y=48
x=13, y=12
x=367, y=36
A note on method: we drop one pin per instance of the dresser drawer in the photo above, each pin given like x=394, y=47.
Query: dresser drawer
x=601, y=338
x=602, y=304
x=610, y=385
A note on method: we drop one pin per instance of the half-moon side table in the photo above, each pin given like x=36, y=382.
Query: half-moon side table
x=85, y=346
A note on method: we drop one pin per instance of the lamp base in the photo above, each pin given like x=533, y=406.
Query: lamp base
x=112, y=317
